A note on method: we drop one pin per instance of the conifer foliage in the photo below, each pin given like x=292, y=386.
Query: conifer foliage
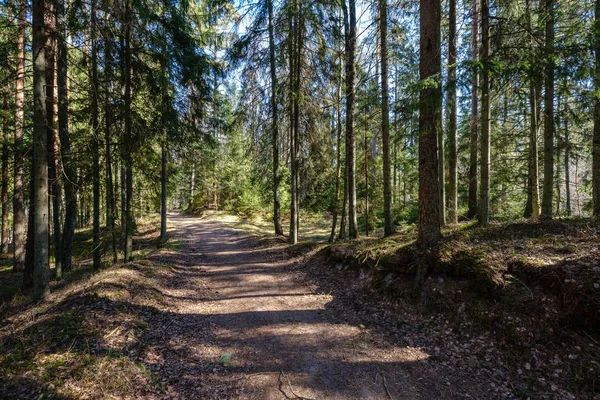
x=112, y=111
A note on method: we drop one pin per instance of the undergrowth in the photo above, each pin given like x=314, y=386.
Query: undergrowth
x=84, y=341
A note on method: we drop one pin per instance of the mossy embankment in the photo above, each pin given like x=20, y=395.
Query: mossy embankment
x=508, y=263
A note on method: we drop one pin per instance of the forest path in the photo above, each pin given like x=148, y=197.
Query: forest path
x=241, y=313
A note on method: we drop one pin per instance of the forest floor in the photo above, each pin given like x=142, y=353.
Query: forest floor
x=219, y=313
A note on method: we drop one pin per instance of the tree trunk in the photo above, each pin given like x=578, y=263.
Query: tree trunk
x=549, y=120
x=366, y=172
x=128, y=245
x=557, y=181
x=532, y=206
x=298, y=77
x=567, y=169
x=111, y=212
x=472, y=212
x=41, y=273
x=70, y=172
x=5, y=157
x=345, y=205
x=395, y=169
x=293, y=237
x=534, y=188
x=19, y=164
x=441, y=175
x=81, y=202
x=388, y=216
x=350, y=30
x=452, y=150
x=577, y=197
x=430, y=118
x=396, y=196
x=51, y=132
x=527, y=183
x=123, y=189
x=484, y=193
x=164, y=158
x=28, y=270
x=338, y=167
x=596, y=137
x=192, y=184
x=274, y=125
x=95, y=141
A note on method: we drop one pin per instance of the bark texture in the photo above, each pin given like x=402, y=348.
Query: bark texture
x=430, y=118
x=274, y=124
x=338, y=166
x=70, y=173
x=533, y=152
x=52, y=133
x=451, y=131
x=350, y=29
x=95, y=142
x=5, y=159
x=547, y=195
x=388, y=216
x=41, y=272
x=472, y=211
x=19, y=163
x=596, y=137
x=111, y=209
x=128, y=242
x=484, y=192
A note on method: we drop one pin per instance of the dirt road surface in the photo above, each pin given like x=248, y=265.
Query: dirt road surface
x=245, y=322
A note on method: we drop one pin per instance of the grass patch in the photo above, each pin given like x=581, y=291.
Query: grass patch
x=173, y=245
x=313, y=228
x=80, y=347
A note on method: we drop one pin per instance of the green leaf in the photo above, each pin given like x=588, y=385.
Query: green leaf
x=225, y=358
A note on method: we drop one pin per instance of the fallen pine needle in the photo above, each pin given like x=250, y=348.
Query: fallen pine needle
x=386, y=388
x=591, y=338
x=297, y=396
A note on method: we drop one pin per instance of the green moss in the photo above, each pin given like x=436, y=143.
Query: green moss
x=470, y=263
x=174, y=245
x=13, y=357
x=301, y=248
x=568, y=248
